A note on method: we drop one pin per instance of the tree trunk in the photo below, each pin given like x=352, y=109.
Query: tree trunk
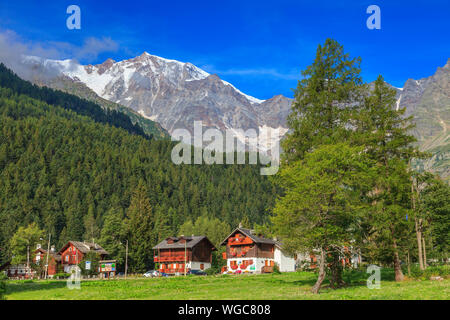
x=409, y=265
x=321, y=276
x=336, y=280
x=424, y=252
x=418, y=225
x=397, y=267
x=419, y=242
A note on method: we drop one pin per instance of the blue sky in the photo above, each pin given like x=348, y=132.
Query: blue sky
x=259, y=46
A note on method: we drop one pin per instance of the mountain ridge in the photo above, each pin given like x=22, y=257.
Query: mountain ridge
x=175, y=94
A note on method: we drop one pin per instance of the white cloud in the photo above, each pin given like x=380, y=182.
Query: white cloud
x=291, y=75
x=13, y=48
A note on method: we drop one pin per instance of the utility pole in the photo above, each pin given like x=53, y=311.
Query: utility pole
x=126, y=260
x=48, y=253
x=28, y=260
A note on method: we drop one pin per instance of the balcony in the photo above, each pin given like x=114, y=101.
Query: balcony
x=237, y=241
x=170, y=258
x=173, y=270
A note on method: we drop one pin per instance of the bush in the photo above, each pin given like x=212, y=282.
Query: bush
x=62, y=275
x=276, y=269
x=426, y=274
x=2, y=285
x=212, y=271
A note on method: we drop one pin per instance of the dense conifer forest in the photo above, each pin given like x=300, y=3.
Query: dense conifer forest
x=81, y=173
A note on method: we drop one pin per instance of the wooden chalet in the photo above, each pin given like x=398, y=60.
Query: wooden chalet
x=54, y=260
x=74, y=251
x=247, y=252
x=175, y=255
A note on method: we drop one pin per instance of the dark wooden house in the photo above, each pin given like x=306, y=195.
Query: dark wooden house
x=176, y=255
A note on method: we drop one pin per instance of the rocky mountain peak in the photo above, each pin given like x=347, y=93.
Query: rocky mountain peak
x=447, y=65
x=108, y=63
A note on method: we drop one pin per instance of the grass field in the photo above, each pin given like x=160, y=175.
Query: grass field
x=266, y=286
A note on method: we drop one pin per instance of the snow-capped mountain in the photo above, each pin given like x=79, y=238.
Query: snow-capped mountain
x=175, y=94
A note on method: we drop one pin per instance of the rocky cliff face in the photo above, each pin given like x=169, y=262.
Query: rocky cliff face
x=428, y=101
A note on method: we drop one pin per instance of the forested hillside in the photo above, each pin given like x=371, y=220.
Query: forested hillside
x=68, y=101
x=69, y=173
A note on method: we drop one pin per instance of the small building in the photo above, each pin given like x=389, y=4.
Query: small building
x=247, y=252
x=74, y=251
x=17, y=271
x=107, y=268
x=54, y=260
x=176, y=255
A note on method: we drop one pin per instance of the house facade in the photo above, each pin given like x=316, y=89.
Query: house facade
x=54, y=260
x=175, y=255
x=247, y=252
x=74, y=252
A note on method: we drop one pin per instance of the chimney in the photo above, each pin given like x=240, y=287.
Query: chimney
x=52, y=249
x=38, y=246
x=240, y=225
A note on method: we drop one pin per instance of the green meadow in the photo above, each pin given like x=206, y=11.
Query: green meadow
x=295, y=285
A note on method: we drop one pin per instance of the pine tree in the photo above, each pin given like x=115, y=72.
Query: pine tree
x=383, y=131
x=321, y=118
x=139, y=228
x=323, y=99
x=90, y=226
x=322, y=198
x=112, y=236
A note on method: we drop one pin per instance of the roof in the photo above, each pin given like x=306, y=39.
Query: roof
x=250, y=233
x=190, y=243
x=55, y=255
x=85, y=247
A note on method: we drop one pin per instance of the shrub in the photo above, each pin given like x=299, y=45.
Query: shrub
x=276, y=269
x=442, y=271
x=2, y=285
x=212, y=271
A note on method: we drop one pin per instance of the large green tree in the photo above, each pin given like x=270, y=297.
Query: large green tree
x=319, y=209
x=323, y=101
x=113, y=235
x=23, y=243
x=139, y=227
x=383, y=130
